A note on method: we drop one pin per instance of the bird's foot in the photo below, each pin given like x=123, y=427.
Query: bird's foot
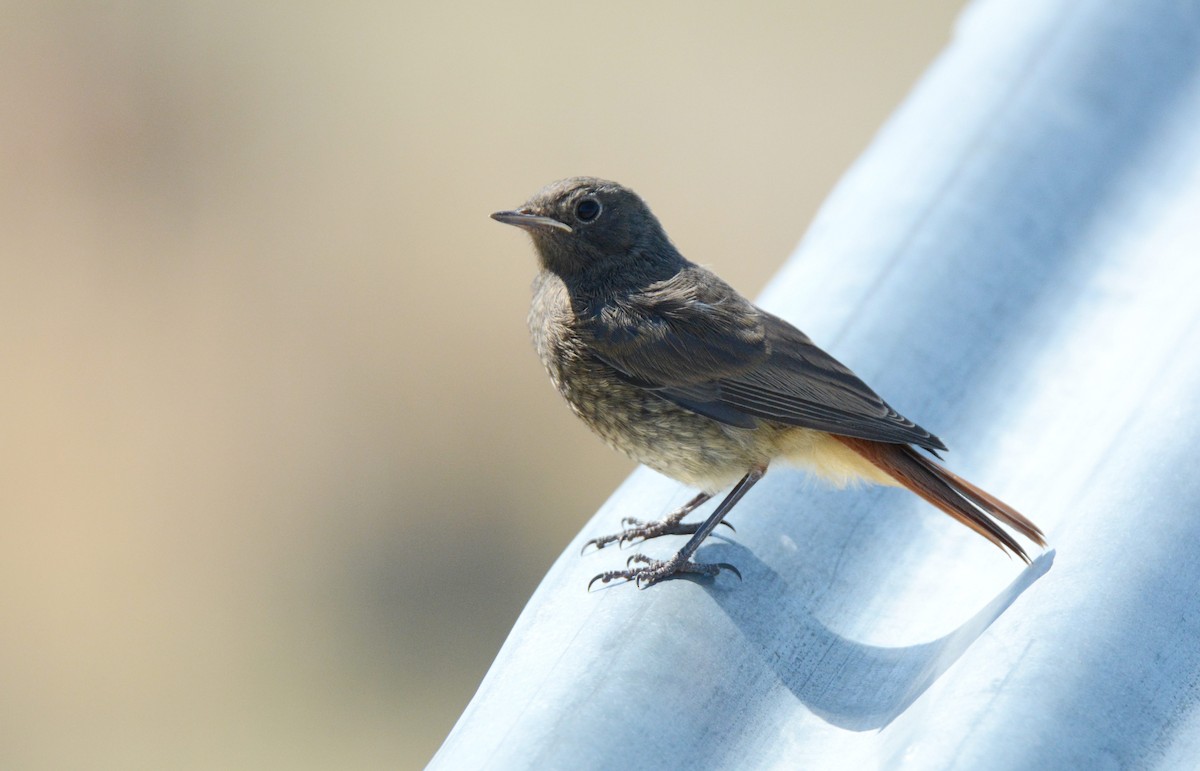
x=637, y=530
x=654, y=571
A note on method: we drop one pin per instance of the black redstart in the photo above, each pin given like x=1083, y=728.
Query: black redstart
x=670, y=365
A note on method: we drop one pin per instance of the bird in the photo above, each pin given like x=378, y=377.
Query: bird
x=670, y=365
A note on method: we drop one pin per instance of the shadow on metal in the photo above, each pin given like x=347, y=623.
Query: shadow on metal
x=848, y=684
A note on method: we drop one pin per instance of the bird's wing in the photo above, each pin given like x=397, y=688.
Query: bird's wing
x=800, y=384
x=708, y=349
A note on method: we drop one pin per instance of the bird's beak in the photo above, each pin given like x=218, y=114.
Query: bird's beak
x=528, y=220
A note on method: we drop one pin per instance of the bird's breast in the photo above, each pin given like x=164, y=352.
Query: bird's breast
x=671, y=439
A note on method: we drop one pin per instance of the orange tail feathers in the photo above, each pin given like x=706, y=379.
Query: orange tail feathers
x=949, y=492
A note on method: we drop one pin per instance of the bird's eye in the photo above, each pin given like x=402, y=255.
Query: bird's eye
x=587, y=210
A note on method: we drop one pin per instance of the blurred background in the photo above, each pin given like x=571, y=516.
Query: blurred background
x=279, y=466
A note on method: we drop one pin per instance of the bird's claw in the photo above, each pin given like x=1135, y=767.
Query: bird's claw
x=636, y=531
x=655, y=571
x=599, y=542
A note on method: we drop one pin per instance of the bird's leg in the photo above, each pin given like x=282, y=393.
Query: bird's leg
x=669, y=525
x=654, y=571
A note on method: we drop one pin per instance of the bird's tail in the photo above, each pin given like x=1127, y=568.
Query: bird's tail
x=949, y=492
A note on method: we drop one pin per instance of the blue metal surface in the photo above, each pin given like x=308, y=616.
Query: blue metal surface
x=1015, y=264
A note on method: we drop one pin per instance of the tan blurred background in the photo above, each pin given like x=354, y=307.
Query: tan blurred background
x=279, y=466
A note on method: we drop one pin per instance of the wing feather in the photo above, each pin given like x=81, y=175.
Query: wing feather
x=694, y=341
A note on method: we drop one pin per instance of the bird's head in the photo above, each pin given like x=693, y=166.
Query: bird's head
x=584, y=225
